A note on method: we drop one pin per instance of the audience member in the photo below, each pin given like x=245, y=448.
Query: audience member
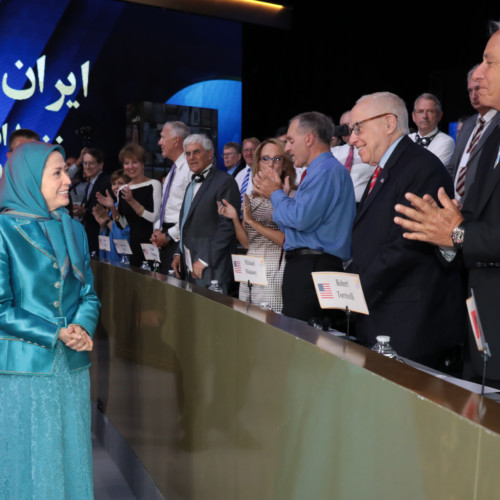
x=259, y=234
x=427, y=113
x=244, y=176
x=474, y=232
x=403, y=281
x=104, y=216
x=317, y=221
x=474, y=134
x=167, y=232
x=97, y=184
x=138, y=201
x=207, y=239
x=232, y=158
x=20, y=136
x=348, y=155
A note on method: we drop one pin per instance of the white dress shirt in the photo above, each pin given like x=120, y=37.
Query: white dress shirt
x=178, y=187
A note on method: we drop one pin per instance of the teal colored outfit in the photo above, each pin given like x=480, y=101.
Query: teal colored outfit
x=45, y=284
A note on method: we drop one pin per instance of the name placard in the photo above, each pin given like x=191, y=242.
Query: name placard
x=150, y=252
x=249, y=268
x=340, y=291
x=122, y=247
x=104, y=243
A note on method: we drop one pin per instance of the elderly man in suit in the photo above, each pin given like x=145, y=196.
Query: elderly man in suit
x=411, y=297
x=207, y=238
x=471, y=139
x=472, y=234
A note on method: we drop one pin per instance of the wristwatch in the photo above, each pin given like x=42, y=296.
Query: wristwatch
x=457, y=236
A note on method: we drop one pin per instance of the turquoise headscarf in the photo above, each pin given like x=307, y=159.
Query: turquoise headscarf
x=20, y=195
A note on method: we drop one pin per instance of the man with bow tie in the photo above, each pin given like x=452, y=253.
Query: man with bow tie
x=207, y=239
x=427, y=113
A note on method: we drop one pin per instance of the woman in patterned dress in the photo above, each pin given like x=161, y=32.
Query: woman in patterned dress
x=258, y=233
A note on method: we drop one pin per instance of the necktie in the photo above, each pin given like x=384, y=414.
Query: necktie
x=165, y=194
x=244, y=185
x=476, y=136
x=460, y=188
x=348, y=162
x=302, y=176
x=188, y=198
x=86, y=195
x=374, y=178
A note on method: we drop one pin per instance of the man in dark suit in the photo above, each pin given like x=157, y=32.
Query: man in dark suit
x=207, y=238
x=411, y=297
x=97, y=181
x=470, y=140
x=473, y=234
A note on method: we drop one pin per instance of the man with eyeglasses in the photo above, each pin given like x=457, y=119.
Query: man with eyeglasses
x=232, y=158
x=427, y=113
x=317, y=221
x=244, y=176
x=410, y=296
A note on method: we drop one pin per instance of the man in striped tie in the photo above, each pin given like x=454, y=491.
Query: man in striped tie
x=471, y=139
x=403, y=282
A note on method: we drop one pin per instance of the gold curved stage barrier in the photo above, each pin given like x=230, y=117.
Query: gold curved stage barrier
x=221, y=400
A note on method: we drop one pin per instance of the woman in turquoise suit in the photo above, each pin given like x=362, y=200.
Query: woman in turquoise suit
x=48, y=313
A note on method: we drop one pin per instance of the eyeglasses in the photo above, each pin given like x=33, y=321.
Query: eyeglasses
x=355, y=127
x=268, y=159
x=225, y=155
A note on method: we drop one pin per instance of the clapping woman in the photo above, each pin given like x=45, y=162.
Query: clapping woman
x=258, y=233
x=48, y=313
x=138, y=201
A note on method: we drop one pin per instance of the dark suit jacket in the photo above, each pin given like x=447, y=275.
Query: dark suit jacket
x=102, y=183
x=411, y=296
x=481, y=252
x=208, y=235
x=463, y=137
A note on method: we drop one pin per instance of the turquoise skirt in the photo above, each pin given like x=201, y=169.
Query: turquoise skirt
x=45, y=439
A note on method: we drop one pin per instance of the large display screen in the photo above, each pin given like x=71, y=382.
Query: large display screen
x=70, y=68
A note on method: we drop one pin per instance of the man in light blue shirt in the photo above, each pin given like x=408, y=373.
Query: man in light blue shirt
x=317, y=221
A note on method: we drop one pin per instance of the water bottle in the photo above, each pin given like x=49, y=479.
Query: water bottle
x=145, y=266
x=215, y=287
x=383, y=347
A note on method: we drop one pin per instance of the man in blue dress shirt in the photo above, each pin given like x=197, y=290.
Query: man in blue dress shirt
x=317, y=221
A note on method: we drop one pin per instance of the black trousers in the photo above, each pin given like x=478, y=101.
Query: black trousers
x=167, y=252
x=299, y=295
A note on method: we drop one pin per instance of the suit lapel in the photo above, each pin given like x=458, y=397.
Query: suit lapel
x=486, y=177
x=383, y=179
x=201, y=191
x=33, y=234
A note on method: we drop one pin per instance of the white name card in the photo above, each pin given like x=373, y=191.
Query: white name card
x=248, y=268
x=122, y=247
x=340, y=291
x=150, y=252
x=104, y=243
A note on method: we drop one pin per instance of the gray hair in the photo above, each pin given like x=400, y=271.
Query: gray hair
x=320, y=125
x=387, y=102
x=471, y=71
x=202, y=139
x=494, y=26
x=431, y=97
x=179, y=129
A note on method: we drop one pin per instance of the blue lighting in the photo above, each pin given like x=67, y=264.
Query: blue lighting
x=223, y=95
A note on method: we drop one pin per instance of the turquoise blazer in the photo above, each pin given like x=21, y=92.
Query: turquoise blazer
x=35, y=300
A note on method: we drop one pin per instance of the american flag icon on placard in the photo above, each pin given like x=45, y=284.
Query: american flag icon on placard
x=237, y=266
x=325, y=290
